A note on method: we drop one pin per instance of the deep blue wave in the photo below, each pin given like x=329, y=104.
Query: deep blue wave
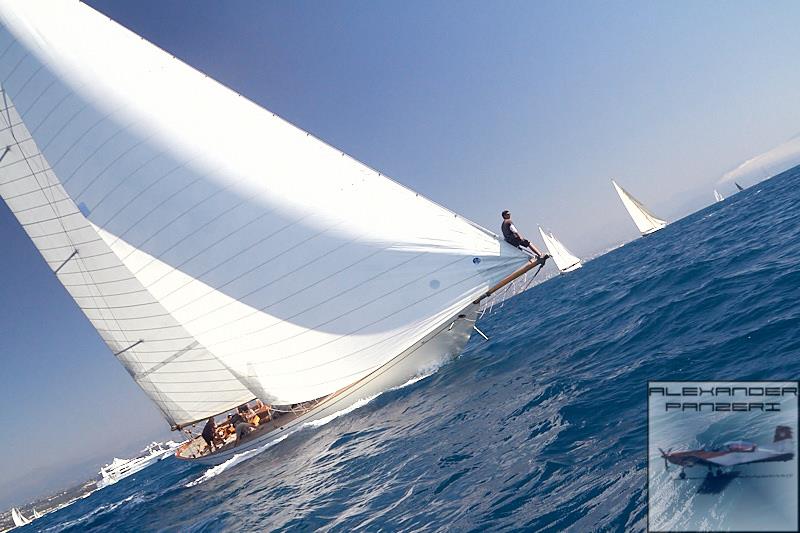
x=543, y=427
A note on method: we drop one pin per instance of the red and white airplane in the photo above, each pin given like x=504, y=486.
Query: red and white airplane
x=734, y=453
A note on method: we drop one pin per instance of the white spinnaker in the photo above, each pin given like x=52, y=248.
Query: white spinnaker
x=298, y=267
x=564, y=259
x=717, y=196
x=646, y=221
x=175, y=371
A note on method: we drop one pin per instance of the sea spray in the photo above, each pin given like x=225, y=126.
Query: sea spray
x=241, y=457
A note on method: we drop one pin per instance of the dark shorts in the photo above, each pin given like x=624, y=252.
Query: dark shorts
x=516, y=241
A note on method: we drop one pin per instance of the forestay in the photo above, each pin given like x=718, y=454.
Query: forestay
x=229, y=241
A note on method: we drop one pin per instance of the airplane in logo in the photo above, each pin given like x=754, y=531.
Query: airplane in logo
x=734, y=453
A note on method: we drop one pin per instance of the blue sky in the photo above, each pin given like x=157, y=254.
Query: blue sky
x=482, y=106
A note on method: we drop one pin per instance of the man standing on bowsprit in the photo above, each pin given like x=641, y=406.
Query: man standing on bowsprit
x=513, y=237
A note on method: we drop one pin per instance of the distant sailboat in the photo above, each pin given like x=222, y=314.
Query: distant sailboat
x=18, y=518
x=718, y=196
x=646, y=221
x=565, y=260
x=738, y=186
x=222, y=253
x=36, y=514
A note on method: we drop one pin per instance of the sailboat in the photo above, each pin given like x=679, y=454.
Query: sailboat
x=36, y=514
x=18, y=518
x=223, y=254
x=718, y=196
x=646, y=221
x=564, y=259
x=738, y=186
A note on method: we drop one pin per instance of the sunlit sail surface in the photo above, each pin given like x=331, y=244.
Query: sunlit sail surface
x=646, y=221
x=221, y=253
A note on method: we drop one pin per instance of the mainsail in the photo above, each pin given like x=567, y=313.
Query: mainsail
x=565, y=260
x=221, y=252
x=717, y=196
x=738, y=186
x=18, y=518
x=646, y=221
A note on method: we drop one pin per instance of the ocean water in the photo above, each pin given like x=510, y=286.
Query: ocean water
x=544, y=426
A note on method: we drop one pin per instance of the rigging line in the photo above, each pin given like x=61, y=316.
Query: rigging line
x=165, y=372
x=105, y=282
x=65, y=261
x=525, y=288
x=58, y=217
x=40, y=205
x=193, y=382
x=87, y=257
x=8, y=127
x=112, y=295
x=70, y=245
x=20, y=195
x=170, y=359
x=85, y=227
x=166, y=402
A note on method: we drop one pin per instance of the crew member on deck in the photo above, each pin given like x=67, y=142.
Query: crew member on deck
x=513, y=237
x=240, y=423
x=208, y=433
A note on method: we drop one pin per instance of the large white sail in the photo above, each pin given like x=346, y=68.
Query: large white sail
x=18, y=518
x=717, y=196
x=203, y=220
x=177, y=373
x=646, y=221
x=564, y=259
